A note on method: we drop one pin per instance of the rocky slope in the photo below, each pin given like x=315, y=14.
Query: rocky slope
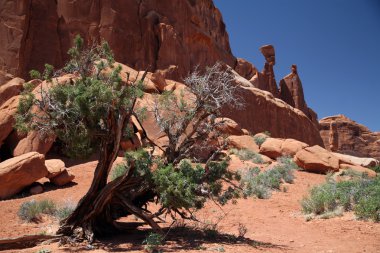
x=343, y=135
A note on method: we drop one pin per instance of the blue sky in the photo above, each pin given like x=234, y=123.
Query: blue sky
x=335, y=44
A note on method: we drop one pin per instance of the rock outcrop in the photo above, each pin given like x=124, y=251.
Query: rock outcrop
x=343, y=135
x=291, y=91
x=266, y=80
x=169, y=35
x=263, y=112
x=20, y=172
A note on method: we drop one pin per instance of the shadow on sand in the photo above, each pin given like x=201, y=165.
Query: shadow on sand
x=179, y=239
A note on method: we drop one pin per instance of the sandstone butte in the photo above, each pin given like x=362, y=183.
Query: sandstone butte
x=343, y=135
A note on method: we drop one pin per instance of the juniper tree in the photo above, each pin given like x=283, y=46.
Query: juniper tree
x=90, y=112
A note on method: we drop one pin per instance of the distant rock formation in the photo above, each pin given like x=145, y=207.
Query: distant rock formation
x=291, y=91
x=265, y=80
x=343, y=135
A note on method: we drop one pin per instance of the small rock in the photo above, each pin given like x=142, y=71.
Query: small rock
x=64, y=178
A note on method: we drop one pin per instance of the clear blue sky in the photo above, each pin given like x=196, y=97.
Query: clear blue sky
x=335, y=43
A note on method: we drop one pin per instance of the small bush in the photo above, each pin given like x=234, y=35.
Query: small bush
x=152, y=242
x=65, y=210
x=118, y=171
x=361, y=195
x=32, y=210
x=247, y=155
x=259, y=140
x=242, y=229
x=261, y=184
x=376, y=168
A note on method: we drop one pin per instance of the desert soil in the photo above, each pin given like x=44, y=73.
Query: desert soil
x=273, y=225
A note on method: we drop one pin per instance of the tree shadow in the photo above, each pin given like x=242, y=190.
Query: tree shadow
x=180, y=238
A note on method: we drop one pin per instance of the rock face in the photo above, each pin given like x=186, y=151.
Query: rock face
x=19, y=172
x=169, y=35
x=263, y=112
x=343, y=135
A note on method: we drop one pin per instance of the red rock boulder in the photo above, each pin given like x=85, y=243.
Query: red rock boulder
x=317, y=159
x=19, y=172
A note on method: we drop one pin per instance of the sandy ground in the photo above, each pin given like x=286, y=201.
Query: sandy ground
x=273, y=225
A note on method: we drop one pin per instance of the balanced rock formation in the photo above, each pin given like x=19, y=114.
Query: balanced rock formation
x=169, y=35
x=19, y=172
x=265, y=80
x=343, y=135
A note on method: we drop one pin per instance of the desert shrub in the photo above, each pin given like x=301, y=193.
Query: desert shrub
x=152, y=242
x=118, y=171
x=247, y=155
x=65, y=210
x=361, y=195
x=285, y=167
x=260, y=184
x=368, y=205
x=32, y=210
x=242, y=230
x=376, y=168
x=259, y=140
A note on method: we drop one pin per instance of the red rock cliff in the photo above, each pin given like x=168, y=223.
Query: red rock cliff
x=169, y=35
x=343, y=135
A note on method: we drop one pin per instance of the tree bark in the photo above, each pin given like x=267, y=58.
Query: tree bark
x=108, y=153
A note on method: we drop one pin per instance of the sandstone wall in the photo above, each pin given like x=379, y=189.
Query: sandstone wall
x=343, y=135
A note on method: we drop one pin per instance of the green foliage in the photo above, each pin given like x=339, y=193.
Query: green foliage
x=44, y=251
x=79, y=111
x=178, y=188
x=247, y=155
x=34, y=74
x=65, y=210
x=361, y=195
x=267, y=133
x=260, y=184
x=32, y=210
x=368, y=204
x=118, y=171
x=152, y=242
x=259, y=140
x=376, y=168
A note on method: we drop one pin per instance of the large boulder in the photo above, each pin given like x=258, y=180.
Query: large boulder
x=10, y=89
x=275, y=148
x=243, y=142
x=7, y=117
x=228, y=126
x=360, y=161
x=272, y=147
x=33, y=142
x=19, y=172
x=290, y=147
x=343, y=135
x=317, y=159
